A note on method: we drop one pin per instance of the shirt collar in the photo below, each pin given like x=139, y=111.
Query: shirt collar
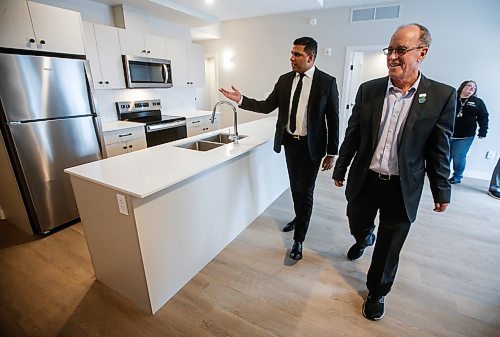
x=413, y=88
x=309, y=73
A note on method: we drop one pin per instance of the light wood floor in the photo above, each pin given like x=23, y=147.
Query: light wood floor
x=448, y=283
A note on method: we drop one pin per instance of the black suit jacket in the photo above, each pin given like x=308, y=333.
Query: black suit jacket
x=322, y=112
x=424, y=145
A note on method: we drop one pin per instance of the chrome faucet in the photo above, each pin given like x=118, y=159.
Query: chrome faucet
x=233, y=136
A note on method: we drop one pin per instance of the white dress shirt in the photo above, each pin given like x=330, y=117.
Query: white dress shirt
x=394, y=114
x=301, y=119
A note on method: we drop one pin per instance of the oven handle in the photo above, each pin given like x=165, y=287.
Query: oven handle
x=158, y=127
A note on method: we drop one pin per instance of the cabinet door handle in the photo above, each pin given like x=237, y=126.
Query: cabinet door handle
x=149, y=51
x=42, y=41
x=144, y=50
x=32, y=40
x=130, y=146
x=195, y=122
x=107, y=82
x=125, y=135
x=100, y=82
x=124, y=147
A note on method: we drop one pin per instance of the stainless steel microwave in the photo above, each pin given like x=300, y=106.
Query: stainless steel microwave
x=145, y=72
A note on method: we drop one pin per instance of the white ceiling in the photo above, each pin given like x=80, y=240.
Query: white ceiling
x=196, y=13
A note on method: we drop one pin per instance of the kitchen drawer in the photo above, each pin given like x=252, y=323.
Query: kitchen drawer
x=125, y=146
x=115, y=136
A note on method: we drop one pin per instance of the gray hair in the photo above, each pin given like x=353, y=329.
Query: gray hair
x=425, y=36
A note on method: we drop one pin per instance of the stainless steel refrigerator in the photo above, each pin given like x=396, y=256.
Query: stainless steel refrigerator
x=48, y=123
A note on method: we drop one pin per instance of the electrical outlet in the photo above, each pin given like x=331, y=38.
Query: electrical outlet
x=490, y=154
x=122, y=204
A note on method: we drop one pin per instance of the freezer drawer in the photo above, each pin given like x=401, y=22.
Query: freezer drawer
x=45, y=149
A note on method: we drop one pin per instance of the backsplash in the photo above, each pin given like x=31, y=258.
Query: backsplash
x=172, y=99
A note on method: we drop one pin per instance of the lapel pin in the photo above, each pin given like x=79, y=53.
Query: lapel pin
x=421, y=98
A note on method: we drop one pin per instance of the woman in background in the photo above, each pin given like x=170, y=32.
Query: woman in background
x=470, y=113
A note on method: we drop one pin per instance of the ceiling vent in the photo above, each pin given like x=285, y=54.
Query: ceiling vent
x=375, y=13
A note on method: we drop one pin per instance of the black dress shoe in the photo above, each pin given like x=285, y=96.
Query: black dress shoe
x=289, y=226
x=373, y=308
x=357, y=249
x=296, y=253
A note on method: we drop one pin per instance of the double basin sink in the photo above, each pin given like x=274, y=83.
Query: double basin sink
x=209, y=143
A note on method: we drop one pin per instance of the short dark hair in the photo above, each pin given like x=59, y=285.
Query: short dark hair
x=310, y=45
x=464, y=83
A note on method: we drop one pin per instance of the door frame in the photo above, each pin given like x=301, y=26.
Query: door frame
x=349, y=85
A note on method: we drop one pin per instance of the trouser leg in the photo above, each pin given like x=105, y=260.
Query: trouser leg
x=361, y=213
x=394, y=226
x=495, y=178
x=302, y=173
x=458, y=152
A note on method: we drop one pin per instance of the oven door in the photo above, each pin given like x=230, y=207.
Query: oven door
x=161, y=133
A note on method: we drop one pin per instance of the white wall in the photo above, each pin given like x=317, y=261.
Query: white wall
x=465, y=46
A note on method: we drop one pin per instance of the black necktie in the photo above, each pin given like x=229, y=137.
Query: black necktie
x=295, y=104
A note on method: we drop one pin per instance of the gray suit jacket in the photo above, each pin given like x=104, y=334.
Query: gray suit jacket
x=424, y=146
x=322, y=112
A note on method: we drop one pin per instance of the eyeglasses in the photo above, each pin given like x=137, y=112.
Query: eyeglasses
x=400, y=51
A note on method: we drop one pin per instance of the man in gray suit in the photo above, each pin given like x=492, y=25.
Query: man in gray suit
x=399, y=131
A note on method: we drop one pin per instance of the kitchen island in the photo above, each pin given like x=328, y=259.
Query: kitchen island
x=155, y=217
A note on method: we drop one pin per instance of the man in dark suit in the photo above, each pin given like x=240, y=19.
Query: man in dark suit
x=399, y=131
x=307, y=127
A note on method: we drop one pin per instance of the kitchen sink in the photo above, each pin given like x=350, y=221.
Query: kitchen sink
x=200, y=145
x=209, y=143
x=221, y=138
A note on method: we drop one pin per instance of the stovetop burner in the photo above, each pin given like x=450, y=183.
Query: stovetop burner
x=146, y=111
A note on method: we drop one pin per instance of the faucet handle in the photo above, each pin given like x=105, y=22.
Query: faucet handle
x=234, y=137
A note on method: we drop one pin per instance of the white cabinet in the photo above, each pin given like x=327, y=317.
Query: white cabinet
x=202, y=124
x=188, y=63
x=16, y=30
x=31, y=25
x=124, y=140
x=196, y=65
x=177, y=54
x=139, y=44
x=102, y=47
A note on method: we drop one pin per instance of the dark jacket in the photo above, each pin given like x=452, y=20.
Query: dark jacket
x=423, y=148
x=474, y=113
x=322, y=112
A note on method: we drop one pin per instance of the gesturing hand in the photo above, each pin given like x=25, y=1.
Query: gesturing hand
x=234, y=95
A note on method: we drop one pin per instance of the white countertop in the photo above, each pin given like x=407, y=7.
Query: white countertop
x=144, y=172
x=119, y=125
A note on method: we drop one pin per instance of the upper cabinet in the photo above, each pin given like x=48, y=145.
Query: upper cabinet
x=30, y=25
x=196, y=64
x=16, y=30
x=188, y=63
x=102, y=47
x=177, y=54
x=139, y=44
